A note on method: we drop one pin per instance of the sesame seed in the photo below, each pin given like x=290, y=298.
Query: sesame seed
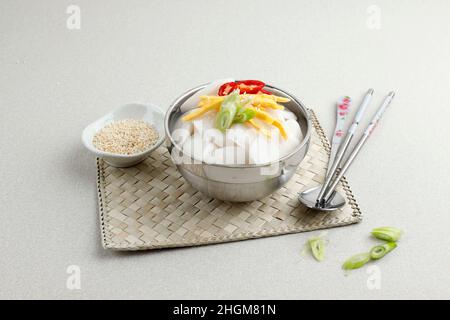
x=128, y=136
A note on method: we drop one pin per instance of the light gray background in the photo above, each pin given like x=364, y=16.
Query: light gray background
x=54, y=81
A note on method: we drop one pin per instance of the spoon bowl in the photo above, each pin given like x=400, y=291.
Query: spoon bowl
x=309, y=199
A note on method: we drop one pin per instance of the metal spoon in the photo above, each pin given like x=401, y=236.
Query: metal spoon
x=329, y=202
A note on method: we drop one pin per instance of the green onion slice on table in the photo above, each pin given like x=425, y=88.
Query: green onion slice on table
x=390, y=234
x=380, y=251
x=356, y=261
x=317, y=246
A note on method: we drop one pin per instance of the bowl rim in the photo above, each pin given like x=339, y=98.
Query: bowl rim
x=101, y=153
x=305, y=140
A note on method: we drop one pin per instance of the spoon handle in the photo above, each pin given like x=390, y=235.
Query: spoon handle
x=342, y=109
x=361, y=142
x=346, y=143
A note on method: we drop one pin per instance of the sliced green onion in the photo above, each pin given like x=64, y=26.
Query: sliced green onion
x=356, y=261
x=225, y=116
x=243, y=115
x=317, y=246
x=379, y=252
x=387, y=233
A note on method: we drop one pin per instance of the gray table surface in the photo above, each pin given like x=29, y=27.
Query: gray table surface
x=55, y=80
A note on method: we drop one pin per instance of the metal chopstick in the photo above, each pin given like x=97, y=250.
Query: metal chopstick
x=342, y=109
x=361, y=142
x=344, y=146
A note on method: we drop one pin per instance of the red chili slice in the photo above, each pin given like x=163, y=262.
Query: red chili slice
x=265, y=91
x=245, y=86
x=227, y=88
x=250, y=86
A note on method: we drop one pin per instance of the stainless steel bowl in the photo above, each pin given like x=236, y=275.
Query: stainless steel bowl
x=239, y=183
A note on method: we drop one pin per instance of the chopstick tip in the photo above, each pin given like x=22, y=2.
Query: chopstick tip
x=370, y=91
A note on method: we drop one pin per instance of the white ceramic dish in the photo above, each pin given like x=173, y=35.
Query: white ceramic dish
x=149, y=113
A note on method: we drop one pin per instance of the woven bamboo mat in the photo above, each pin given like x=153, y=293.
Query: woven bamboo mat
x=151, y=206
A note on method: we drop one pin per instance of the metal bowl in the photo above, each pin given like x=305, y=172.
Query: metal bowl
x=238, y=183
